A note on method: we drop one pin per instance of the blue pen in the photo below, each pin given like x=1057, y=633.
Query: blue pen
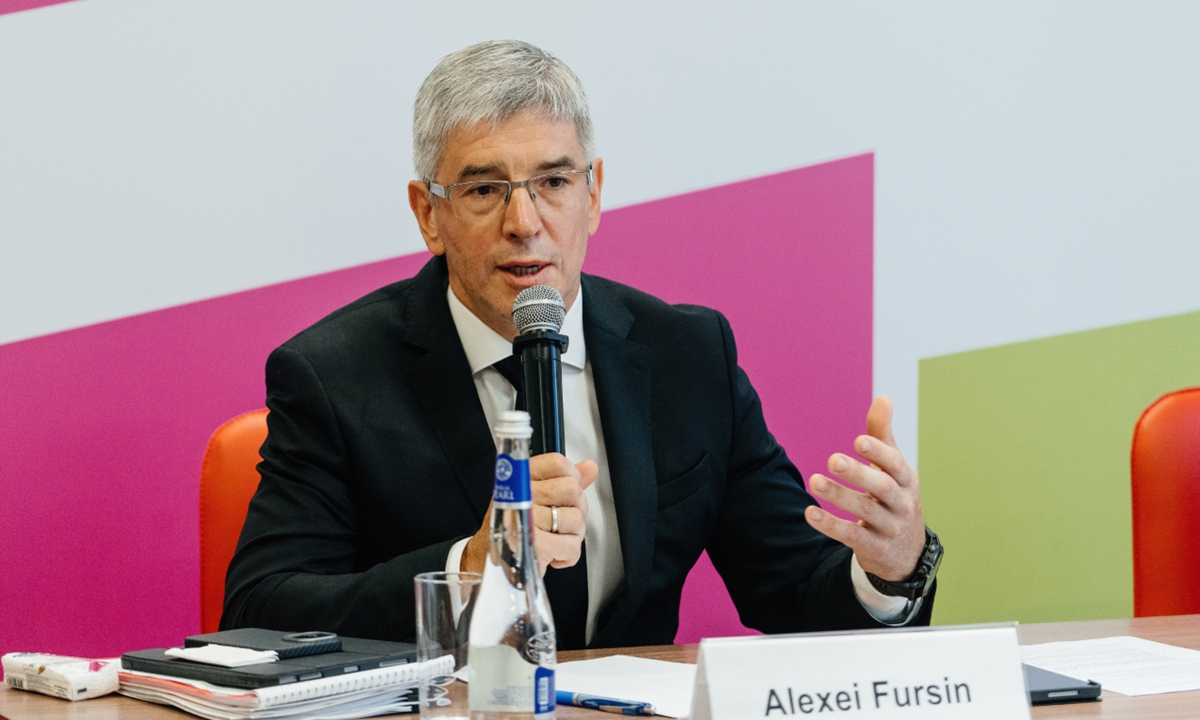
x=612, y=705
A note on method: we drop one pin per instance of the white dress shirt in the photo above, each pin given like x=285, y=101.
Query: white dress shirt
x=585, y=441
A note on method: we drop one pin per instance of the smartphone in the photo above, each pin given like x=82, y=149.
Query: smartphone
x=286, y=644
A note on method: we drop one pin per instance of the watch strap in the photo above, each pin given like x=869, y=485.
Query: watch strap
x=916, y=586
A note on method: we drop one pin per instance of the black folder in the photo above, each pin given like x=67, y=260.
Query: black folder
x=356, y=655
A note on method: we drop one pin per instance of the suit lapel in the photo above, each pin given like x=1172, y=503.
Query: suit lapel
x=441, y=381
x=621, y=371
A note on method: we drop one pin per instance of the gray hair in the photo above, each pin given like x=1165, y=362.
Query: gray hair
x=491, y=82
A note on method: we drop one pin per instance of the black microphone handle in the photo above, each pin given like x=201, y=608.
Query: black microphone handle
x=541, y=364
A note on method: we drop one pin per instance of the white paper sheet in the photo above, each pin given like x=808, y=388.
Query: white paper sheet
x=666, y=685
x=1125, y=665
x=223, y=655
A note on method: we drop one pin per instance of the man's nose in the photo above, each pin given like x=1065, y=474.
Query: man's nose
x=521, y=217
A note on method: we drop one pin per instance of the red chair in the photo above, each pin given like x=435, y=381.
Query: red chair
x=228, y=479
x=1165, y=471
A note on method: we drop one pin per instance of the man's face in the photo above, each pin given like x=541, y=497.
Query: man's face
x=492, y=258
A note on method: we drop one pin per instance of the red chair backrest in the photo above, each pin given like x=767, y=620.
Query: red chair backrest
x=228, y=479
x=1165, y=472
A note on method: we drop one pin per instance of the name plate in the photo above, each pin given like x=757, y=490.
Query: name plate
x=971, y=671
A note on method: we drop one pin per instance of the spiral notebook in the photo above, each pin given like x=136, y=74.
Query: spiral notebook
x=370, y=692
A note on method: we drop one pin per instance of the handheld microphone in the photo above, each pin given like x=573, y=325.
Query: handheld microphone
x=538, y=313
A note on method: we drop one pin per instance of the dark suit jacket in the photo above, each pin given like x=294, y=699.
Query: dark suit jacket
x=379, y=458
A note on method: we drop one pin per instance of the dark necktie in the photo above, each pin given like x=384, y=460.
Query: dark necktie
x=566, y=587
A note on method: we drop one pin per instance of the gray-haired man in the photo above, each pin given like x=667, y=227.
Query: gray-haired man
x=378, y=461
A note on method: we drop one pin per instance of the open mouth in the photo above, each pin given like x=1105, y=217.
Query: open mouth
x=520, y=270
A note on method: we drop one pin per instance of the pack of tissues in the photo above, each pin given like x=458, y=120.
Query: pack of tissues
x=70, y=678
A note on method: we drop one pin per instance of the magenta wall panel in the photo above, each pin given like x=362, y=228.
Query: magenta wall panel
x=102, y=428
x=788, y=258
x=12, y=6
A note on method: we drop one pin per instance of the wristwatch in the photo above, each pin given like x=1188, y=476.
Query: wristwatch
x=922, y=580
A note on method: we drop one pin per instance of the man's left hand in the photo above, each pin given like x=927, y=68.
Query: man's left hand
x=890, y=533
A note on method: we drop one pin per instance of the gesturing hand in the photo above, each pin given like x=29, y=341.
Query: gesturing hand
x=557, y=487
x=890, y=533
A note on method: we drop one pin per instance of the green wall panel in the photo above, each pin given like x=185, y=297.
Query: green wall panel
x=1025, y=467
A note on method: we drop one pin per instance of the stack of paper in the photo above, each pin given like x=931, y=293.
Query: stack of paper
x=380, y=691
x=1125, y=665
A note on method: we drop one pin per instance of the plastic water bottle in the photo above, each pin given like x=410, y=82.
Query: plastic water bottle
x=512, y=641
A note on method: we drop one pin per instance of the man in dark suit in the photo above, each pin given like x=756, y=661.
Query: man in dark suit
x=378, y=464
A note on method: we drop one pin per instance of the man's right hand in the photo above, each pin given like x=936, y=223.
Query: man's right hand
x=555, y=483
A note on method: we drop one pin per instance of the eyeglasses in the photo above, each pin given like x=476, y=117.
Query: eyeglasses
x=552, y=192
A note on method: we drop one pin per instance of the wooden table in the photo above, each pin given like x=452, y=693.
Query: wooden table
x=1183, y=631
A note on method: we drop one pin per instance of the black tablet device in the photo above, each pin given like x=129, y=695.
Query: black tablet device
x=1046, y=687
x=356, y=655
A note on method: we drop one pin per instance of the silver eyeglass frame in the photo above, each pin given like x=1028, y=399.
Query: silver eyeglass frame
x=443, y=191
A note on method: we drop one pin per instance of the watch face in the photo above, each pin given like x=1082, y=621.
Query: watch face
x=937, y=563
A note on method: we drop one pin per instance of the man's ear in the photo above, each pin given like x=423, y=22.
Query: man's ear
x=421, y=202
x=594, y=207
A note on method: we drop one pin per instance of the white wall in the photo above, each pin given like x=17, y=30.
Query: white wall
x=1038, y=163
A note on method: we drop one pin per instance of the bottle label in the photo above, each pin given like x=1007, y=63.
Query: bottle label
x=503, y=681
x=544, y=698
x=512, y=482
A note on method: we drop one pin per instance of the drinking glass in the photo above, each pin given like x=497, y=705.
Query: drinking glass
x=444, y=604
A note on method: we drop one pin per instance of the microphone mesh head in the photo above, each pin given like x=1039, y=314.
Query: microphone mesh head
x=538, y=308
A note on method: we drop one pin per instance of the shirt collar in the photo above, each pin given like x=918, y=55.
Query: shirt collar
x=485, y=347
